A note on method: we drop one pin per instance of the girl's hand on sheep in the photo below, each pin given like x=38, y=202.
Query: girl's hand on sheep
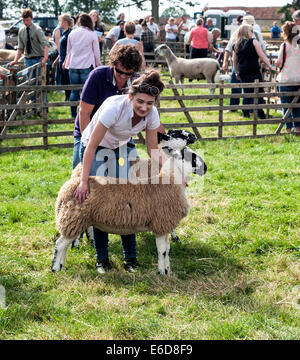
x=82, y=192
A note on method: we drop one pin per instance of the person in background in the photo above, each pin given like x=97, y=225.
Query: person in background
x=187, y=47
x=121, y=18
x=76, y=21
x=57, y=34
x=138, y=29
x=209, y=25
x=275, y=31
x=114, y=34
x=154, y=28
x=83, y=54
x=31, y=41
x=199, y=40
x=214, y=35
x=147, y=39
x=228, y=52
x=296, y=18
x=246, y=55
x=129, y=30
x=171, y=34
x=289, y=63
x=66, y=23
x=99, y=28
x=183, y=28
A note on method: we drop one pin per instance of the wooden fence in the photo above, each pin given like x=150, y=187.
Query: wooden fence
x=14, y=121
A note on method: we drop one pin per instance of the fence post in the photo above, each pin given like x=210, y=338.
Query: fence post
x=256, y=89
x=221, y=93
x=44, y=107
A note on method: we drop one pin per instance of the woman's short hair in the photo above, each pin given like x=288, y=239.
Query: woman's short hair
x=86, y=21
x=129, y=27
x=127, y=56
x=149, y=83
x=67, y=18
x=290, y=30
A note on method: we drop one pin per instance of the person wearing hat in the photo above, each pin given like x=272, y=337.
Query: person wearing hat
x=171, y=33
x=250, y=20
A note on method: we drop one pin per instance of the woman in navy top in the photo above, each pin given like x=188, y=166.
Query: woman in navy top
x=66, y=23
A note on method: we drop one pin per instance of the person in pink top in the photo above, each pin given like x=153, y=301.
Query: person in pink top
x=83, y=55
x=199, y=40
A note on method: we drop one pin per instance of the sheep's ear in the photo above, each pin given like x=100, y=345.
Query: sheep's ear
x=187, y=136
x=161, y=137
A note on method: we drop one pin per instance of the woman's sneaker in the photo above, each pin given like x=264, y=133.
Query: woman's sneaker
x=131, y=265
x=102, y=266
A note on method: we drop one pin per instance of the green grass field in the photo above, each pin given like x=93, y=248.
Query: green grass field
x=234, y=274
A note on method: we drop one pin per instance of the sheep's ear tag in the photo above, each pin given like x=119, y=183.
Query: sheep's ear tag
x=161, y=136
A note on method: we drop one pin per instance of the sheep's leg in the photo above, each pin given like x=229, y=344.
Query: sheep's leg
x=163, y=249
x=90, y=234
x=174, y=236
x=76, y=242
x=60, y=252
x=182, y=82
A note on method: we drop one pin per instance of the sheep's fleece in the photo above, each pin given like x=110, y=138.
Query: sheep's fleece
x=125, y=207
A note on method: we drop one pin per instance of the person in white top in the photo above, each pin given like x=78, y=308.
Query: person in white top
x=107, y=148
x=113, y=35
x=171, y=33
x=154, y=28
x=289, y=64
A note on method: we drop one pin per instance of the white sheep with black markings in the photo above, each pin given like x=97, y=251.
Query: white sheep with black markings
x=179, y=68
x=156, y=204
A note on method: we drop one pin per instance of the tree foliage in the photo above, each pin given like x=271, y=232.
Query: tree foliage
x=106, y=8
x=288, y=9
x=173, y=11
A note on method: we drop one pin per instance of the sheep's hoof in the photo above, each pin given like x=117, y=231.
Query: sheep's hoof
x=56, y=266
x=164, y=272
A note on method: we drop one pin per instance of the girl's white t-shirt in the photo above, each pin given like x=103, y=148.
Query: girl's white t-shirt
x=116, y=114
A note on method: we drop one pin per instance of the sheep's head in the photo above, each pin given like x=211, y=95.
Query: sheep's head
x=176, y=139
x=187, y=160
x=162, y=50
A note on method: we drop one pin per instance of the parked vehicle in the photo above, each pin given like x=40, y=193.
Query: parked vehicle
x=47, y=23
x=225, y=21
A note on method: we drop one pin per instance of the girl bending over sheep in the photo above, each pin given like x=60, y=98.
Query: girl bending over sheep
x=116, y=121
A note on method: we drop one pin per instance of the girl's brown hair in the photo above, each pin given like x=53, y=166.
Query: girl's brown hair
x=86, y=21
x=290, y=30
x=149, y=83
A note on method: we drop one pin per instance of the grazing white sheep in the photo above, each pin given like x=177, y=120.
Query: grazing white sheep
x=157, y=205
x=202, y=68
